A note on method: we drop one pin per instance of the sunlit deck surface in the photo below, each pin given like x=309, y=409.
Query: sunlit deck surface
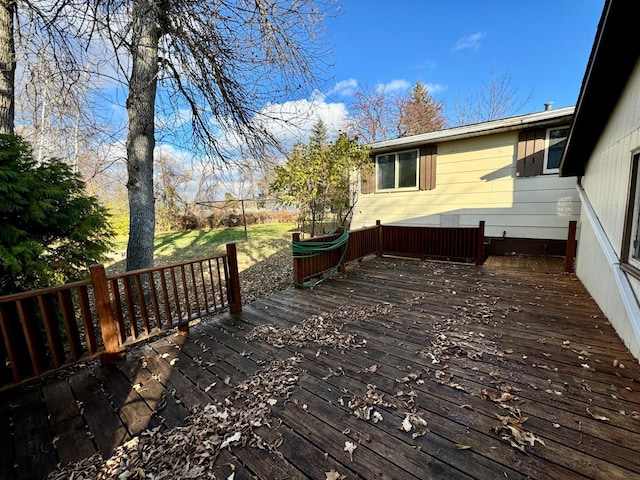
x=450, y=363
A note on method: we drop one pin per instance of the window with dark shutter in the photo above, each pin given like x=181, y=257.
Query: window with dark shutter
x=398, y=170
x=540, y=150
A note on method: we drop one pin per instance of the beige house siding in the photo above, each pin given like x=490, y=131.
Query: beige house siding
x=606, y=183
x=476, y=180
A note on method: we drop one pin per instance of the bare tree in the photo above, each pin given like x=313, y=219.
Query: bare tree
x=220, y=62
x=7, y=66
x=26, y=23
x=215, y=63
x=377, y=114
x=494, y=100
x=374, y=114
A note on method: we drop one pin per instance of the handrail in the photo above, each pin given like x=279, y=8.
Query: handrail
x=458, y=243
x=49, y=328
x=44, y=291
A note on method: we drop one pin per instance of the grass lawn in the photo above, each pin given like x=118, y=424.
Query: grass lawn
x=264, y=241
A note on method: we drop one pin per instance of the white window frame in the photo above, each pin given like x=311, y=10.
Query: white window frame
x=633, y=253
x=545, y=168
x=395, y=188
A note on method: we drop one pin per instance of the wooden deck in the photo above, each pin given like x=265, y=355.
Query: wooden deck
x=430, y=370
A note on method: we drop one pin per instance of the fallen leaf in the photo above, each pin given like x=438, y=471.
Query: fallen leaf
x=371, y=369
x=406, y=424
x=333, y=475
x=349, y=447
x=596, y=416
x=233, y=438
x=376, y=417
x=462, y=447
x=512, y=430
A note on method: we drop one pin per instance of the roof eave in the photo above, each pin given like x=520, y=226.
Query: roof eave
x=547, y=117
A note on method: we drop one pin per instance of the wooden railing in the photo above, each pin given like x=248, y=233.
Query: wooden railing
x=47, y=329
x=463, y=244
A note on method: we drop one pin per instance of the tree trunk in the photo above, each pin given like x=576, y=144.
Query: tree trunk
x=141, y=137
x=7, y=66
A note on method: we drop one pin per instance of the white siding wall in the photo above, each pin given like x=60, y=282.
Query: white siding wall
x=606, y=183
x=592, y=266
x=476, y=180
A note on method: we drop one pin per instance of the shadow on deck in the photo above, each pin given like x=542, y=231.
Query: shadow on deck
x=395, y=369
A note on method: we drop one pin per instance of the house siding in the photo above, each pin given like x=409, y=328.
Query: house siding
x=606, y=183
x=591, y=265
x=476, y=180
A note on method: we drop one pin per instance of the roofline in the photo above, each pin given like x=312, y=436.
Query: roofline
x=613, y=56
x=546, y=117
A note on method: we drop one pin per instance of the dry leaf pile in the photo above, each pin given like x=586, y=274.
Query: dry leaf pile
x=320, y=330
x=412, y=420
x=266, y=277
x=191, y=451
x=316, y=329
x=363, y=406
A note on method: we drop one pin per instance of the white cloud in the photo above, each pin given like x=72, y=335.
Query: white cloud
x=434, y=88
x=344, y=88
x=291, y=122
x=397, y=85
x=470, y=42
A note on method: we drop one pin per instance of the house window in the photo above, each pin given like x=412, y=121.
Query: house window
x=632, y=229
x=407, y=170
x=555, y=141
x=540, y=150
x=395, y=171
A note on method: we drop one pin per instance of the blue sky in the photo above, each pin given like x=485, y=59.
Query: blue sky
x=454, y=46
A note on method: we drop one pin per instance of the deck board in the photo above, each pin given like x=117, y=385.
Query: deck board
x=443, y=342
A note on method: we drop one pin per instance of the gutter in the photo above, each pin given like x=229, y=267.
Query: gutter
x=627, y=294
x=531, y=120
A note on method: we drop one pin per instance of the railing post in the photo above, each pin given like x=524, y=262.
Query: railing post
x=480, y=246
x=342, y=268
x=379, y=249
x=571, y=247
x=113, y=351
x=233, y=289
x=297, y=279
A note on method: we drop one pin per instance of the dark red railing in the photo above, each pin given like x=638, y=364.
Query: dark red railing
x=462, y=244
x=47, y=329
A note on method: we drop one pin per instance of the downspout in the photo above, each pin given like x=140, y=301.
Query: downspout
x=629, y=299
